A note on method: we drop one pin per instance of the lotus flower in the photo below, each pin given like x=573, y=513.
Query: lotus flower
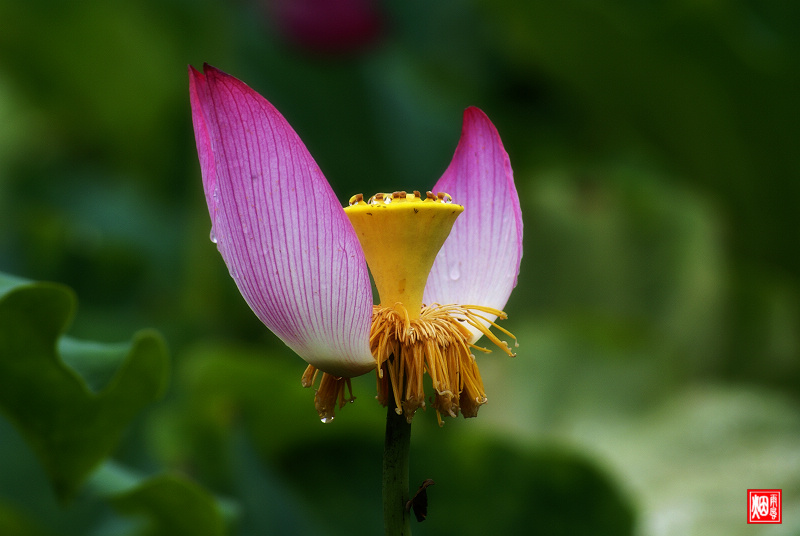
x=444, y=264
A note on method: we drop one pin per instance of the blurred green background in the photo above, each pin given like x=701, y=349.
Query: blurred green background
x=655, y=149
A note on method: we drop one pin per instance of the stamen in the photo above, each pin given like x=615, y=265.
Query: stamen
x=331, y=389
x=436, y=343
x=309, y=376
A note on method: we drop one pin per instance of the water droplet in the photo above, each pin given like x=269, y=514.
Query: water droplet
x=387, y=200
x=455, y=272
x=327, y=420
x=213, y=236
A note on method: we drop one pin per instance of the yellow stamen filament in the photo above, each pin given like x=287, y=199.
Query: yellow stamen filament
x=330, y=391
x=436, y=343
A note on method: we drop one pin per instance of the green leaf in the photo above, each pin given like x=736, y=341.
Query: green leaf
x=174, y=505
x=71, y=421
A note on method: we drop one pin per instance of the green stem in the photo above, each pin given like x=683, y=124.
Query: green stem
x=395, y=473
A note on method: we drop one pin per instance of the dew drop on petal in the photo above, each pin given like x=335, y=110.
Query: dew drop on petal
x=455, y=272
x=213, y=236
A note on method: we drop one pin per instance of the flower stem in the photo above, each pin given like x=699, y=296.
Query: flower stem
x=395, y=473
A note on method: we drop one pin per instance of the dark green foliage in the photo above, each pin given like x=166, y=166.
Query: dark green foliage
x=71, y=424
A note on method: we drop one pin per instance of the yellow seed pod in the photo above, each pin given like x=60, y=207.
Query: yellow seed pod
x=401, y=234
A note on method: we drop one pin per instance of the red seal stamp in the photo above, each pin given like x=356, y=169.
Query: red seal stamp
x=764, y=506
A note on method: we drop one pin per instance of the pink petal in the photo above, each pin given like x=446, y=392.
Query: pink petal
x=279, y=227
x=479, y=262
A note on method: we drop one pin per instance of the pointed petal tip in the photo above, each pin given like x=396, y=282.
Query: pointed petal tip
x=209, y=71
x=218, y=74
x=197, y=74
x=195, y=77
x=471, y=111
x=480, y=261
x=475, y=118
